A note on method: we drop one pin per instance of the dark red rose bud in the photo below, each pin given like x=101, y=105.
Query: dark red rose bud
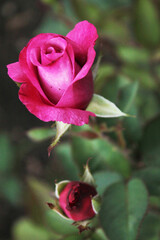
x=75, y=200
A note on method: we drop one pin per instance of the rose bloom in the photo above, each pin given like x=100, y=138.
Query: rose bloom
x=55, y=74
x=75, y=200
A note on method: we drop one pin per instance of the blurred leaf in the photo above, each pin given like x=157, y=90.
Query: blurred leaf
x=151, y=177
x=99, y=235
x=146, y=23
x=40, y=134
x=154, y=201
x=58, y=224
x=86, y=11
x=123, y=209
x=103, y=155
x=96, y=67
x=104, y=179
x=128, y=103
x=25, y=229
x=132, y=127
x=63, y=153
x=140, y=74
x=6, y=154
x=147, y=109
x=110, y=4
x=103, y=107
x=50, y=2
x=150, y=229
x=12, y=189
x=115, y=30
x=112, y=88
x=128, y=95
x=104, y=72
x=38, y=194
x=52, y=25
x=150, y=144
x=74, y=237
x=133, y=55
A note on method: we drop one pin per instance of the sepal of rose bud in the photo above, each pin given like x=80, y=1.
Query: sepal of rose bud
x=96, y=203
x=59, y=187
x=87, y=176
x=61, y=128
x=56, y=208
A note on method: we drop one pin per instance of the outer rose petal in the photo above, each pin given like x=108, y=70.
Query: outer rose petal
x=79, y=94
x=30, y=72
x=15, y=72
x=31, y=98
x=84, y=34
x=72, y=95
x=84, y=210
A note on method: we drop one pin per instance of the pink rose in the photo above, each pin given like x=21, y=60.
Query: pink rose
x=56, y=77
x=75, y=200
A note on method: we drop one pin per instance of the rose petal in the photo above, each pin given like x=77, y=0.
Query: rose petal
x=48, y=52
x=15, y=72
x=84, y=34
x=56, y=77
x=31, y=72
x=31, y=98
x=84, y=210
x=79, y=94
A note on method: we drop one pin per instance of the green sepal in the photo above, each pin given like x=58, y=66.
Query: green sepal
x=60, y=186
x=96, y=203
x=82, y=225
x=56, y=208
x=61, y=128
x=104, y=108
x=87, y=176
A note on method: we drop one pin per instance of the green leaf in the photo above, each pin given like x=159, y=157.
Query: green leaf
x=38, y=194
x=151, y=177
x=85, y=10
x=104, y=179
x=103, y=154
x=150, y=229
x=25, y=229
x=128, y=94
x=146, y=23
x=103, y=107
x=122, y=210
x=99, y=235
x=114, y=29
x=52, y=25
x=105, y=71
x=133, y=55
x=11, y=187
x=40, y=134
x=6, y=154
x=150, y=144
x=61, y=128
x=140, y=74
x=64, y=159
x=58, y=224
x=74, y=237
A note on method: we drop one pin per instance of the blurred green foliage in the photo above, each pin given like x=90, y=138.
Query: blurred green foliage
x=124, y=152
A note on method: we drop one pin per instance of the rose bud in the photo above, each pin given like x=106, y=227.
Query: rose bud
x=75, y=200
x=55, y=75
